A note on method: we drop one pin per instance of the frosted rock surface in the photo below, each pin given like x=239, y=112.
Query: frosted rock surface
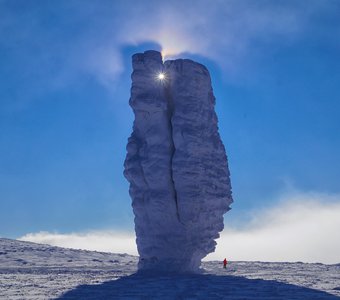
x=176, y=164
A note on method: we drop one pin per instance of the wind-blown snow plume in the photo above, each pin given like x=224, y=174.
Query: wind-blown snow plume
x=176, y=164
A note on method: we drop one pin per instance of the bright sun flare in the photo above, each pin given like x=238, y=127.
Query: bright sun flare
x=161, y=76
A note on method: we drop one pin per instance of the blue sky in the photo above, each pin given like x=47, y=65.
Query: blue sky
x=64, y=114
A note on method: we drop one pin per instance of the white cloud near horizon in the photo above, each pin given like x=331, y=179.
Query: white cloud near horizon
x=302, y=227
x=104, y=241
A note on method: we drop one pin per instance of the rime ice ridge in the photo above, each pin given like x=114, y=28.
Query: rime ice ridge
x=176, y=164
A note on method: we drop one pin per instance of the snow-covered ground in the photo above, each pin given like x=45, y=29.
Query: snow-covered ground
x=35, y=271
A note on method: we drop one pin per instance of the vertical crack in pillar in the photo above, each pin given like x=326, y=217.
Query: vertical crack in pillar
x=168, y=96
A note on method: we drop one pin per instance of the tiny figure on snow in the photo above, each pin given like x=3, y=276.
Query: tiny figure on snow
x=225, y=263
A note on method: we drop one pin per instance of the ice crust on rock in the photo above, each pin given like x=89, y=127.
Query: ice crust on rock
x=176, y=164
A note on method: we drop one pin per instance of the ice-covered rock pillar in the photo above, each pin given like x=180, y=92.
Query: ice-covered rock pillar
x=176, y=164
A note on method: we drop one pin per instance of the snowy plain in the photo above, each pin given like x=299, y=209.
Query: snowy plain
x=37, y=271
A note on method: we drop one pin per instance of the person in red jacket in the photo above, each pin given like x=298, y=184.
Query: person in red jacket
x=225, y=263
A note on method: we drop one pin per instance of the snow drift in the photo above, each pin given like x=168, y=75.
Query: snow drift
x=176, y=164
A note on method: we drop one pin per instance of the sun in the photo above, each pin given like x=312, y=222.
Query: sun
x=161, y=76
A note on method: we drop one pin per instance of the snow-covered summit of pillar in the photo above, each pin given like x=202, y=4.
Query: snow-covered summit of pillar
x=176, y=164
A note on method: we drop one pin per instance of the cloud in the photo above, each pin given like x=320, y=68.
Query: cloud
x=71, y=38
x=227, y=32
x=105, y=241
x=303, y=227
x=216, y=31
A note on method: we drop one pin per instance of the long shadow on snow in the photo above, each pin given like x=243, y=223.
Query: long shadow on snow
x=185, y=287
